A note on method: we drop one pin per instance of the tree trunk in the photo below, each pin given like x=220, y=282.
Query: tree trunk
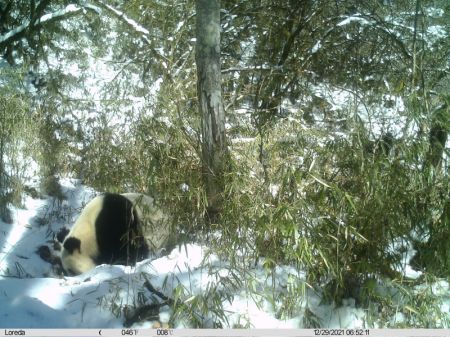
x=214, y=149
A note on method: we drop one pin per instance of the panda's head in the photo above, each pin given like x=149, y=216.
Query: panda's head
x=80, y=249
x=73, y=260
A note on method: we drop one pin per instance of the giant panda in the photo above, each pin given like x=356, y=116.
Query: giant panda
x=114, y=228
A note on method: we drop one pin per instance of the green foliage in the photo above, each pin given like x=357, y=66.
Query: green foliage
x=50, y=159
x=398, y=307
x=202, y=310
x=342, y=209
x=17, y=135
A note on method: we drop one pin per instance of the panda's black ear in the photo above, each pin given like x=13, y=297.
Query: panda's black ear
x=71, y=244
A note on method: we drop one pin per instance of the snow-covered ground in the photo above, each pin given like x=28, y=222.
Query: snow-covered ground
x=32, y=296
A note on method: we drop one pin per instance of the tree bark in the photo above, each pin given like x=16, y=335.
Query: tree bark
x=209, y=93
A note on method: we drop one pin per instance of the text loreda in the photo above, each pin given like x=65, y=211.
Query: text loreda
x=14, y=332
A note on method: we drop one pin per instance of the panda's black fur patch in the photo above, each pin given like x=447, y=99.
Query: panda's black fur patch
x=71, y=244
x=118, y=232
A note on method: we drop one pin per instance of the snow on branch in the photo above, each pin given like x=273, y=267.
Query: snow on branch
x=256, y=68
x=71, y=9
x=14, y=32
x=144, y=33
x=58, y=14
x=355, y=18
x=121, y=15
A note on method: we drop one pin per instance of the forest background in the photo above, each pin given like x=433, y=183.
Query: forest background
x=336, y=121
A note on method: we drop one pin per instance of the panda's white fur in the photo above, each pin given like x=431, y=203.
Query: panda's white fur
x=83, y=229
x=81, y=249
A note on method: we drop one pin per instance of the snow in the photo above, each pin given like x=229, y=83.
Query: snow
x=385, y=115
x=69, y=9
x=351, y=19
x=14, y=31
x=137, y=27
x=32, y=296
x=43, y=19
x=316, y=47
x=437, y=32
